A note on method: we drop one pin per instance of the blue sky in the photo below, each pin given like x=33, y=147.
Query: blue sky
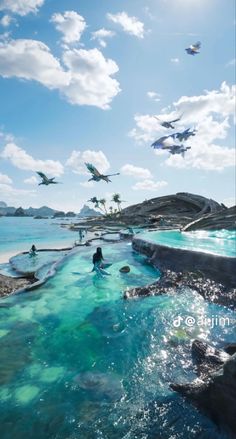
x=81, y=81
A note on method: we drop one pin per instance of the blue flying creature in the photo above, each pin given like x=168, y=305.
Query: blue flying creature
x=167, y=124
x=193, y=49
x=160, y=143
x=45, y=180
x=96, y=175
x=184, y=135
x=178, y=149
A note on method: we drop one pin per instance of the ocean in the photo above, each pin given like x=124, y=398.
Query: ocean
x=19, y=234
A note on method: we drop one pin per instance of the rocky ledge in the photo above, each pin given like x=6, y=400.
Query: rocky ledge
x=225, y=219
x=215, y=267
x=9, y=285
x=214, y=389
x=171, y=281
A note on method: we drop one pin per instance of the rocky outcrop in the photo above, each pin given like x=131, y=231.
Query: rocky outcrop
x=9, y=285
x=215, y=267
x=225, y=219
x=20, y=212
x=87, y=211
x=177, y=209
x=214, y=390
x=170, y=282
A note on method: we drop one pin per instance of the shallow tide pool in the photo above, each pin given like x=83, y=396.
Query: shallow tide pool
x=219, y=242
x=78, y=361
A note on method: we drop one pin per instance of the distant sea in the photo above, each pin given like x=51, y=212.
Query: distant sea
x=19, y=234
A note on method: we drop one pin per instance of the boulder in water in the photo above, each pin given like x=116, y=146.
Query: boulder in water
x=125, y=269
x=101, y=385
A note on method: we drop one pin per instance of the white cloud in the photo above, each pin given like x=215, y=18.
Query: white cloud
x=4, y=179
x=154, y=96
x=135, y=171
x=6, y=20
x=31, y=180
x=210, y=114
x=149, y=185
x=101, y=35
x=10, y=193
x=87, y=80
x=32, y=60
x=22, y=160
x=174, y=60
x=70, y=24
x=130, y=25
x=78, y=159
x=21, y=7
x=91, y=78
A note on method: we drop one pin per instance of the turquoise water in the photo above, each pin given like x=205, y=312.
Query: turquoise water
x=221, y=242
x=18, y=234
x=78, y=361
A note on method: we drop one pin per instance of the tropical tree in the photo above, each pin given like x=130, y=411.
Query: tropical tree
x=95, y=201
x=103, y=201
x=116, y=199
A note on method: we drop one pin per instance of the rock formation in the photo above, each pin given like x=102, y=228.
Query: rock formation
x=214, y=391
x=178, y=209
x=225, y=219
x=171, y=281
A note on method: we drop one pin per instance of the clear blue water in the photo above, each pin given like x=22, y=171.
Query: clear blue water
x=77, y=361
x=18, y=234
x=221, y=242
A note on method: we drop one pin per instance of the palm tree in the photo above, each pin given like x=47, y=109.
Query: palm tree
x=103, y=203
x=95, y=201
x=116, y=199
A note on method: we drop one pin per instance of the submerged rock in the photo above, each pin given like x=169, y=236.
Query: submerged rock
x=125, y=269
x=101, y=385
x=214, y=391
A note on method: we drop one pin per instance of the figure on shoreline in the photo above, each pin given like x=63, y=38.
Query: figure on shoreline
x=33, y=251
x=81, y=235
x=98, y=265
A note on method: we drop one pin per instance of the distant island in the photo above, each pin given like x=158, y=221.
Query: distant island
x=45, y=212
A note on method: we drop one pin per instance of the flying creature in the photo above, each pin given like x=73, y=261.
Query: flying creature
x=45, y=180
x=193, y=49
x=178, y=149
x=167, y=124
x=160, y=143
x=96, y=176
x=184, y=135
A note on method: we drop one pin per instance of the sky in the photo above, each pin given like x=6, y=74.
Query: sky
x=81, y=81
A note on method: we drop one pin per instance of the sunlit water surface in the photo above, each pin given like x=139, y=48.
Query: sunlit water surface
x=78, y=361
x=220, y=242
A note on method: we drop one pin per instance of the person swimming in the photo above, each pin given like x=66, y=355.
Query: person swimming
x=98, y=262
x=33, y=251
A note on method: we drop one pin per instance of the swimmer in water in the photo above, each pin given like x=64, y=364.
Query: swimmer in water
x=98, y=262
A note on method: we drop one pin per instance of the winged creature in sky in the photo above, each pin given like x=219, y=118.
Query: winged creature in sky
x=96, y=175
x=184, y=135
x=193, y=49
x=45, y=180
x=167, y=124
